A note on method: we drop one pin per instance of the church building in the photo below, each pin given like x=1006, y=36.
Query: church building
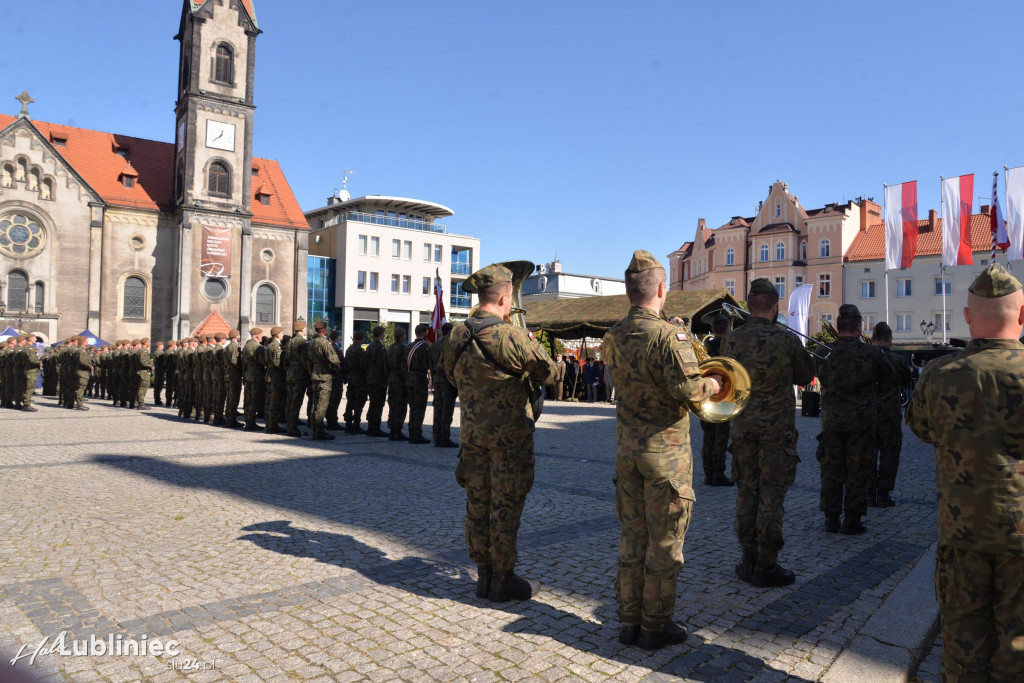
x=131, y=238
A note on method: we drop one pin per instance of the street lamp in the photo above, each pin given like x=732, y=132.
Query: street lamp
x=927, y=328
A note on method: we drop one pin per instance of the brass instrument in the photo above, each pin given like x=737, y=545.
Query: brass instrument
x=737, y=312
x=827, y=326
x=735, y=392
x=520, y=271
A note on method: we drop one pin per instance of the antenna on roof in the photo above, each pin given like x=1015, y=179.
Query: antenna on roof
x=345, y=196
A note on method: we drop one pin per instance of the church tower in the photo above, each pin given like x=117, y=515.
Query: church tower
x=213, y=159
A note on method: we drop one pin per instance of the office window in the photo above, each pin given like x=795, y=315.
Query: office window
x=780, y=252
x=867, y=289
x=731, y=286
x=824, y=248
x=943, y=283
x=396, y=247
x=437, y=253
x=426, y=285
x=406, y=284
x=799, y=280
x=407, y=250
x=903, y=322
x=362, y=245
x=374, y=246
x=730, y=256
x=868, y=322
x=394, y=284
x=373, y=282
x=824, y=286
x=426, y=252
x=361, y=280
x=826, y=318
x=780, y=287
x=938, y=321
x=764, y=253
x=903, y=288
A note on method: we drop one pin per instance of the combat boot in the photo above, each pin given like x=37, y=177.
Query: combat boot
x=483, y=580
x=745, y=569
x=852, y=526
x=720, y=480
x=219, y=422
x=272, y=429
x=232, y=424
x=377, y=431
x=398, y=436
x=418, y=440
x=334, y=426
x=672, y=634
x=321, y=435
x=832, y=524
x=507, y=586
x=356, y=429
x=295, y=432
x=884, y=500
x=142, y=406
x=629, y=633
x=771, y=575
x=30, y=409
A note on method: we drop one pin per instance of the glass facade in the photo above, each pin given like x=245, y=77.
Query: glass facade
x=320, y=281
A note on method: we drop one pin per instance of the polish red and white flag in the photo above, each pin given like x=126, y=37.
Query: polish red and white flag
x=1015, y=212
x=900, y=225
x=437, y=319
x=957, y=203
x=999, y=238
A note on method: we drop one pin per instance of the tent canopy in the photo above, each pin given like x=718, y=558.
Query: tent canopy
x=93, y=340
x=592, y=316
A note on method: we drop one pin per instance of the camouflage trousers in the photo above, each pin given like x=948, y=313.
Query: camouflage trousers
x=31, y=376
x=763, y=467
x=397, y=405
x=846, y=459
x=337, y=390
x=889, y=437
x=232, y=393
x=158, y=386
x=444, y=408
x=142, y=386
x=712, y=453
x=320, y=397
x=172, y=384
x=496, y=484
x=217, y=389
x=296, y=394
x=653, y=502
x=417, y=410
x=199, y=396
x=356, y=399
x=277, y=390
x=377, y=394
x=83, y=380
x=254, y=393
x=981, y=601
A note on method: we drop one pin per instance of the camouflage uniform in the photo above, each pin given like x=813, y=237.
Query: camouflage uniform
x=496, y=455
x=970, y=405
x=276, y=379
x=716, y=436
x=83, y=369
x=232, y=380
x=323, y=363
x=159, y=369
x=416, y=385
x=298, y=379
x=171, y=373
x=355, y=362
x=764, y=458
x=397, y=400
x=30, y=364
x=444, y=395
x=254, y=378
x=376, y=384
x=337, y=388
x=655, y=371
x=143, y=366
x=849, y=393
x=889, y=433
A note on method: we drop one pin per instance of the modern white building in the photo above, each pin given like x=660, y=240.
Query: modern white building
x=550, y=282
x=386, y=252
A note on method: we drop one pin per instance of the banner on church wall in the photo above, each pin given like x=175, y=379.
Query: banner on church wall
x=216, y=257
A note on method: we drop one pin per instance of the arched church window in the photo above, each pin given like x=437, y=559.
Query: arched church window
x=33, y=180
x=220, y=179
x=224, y=66
x=135, y=298
x=266, y=304
x=8, y=175
x=17, y=291
x=40, y=296
x=46, y=190
x=21, y=171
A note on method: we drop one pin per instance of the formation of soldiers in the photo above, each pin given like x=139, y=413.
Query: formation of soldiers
x=204, y=378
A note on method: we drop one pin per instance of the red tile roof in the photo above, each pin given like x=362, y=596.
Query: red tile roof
x=93, y=154
x=212, y=325
x=870, y=245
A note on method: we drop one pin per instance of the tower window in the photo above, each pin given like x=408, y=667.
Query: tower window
x=220, y=179
x=224, y=67
x=134, y=298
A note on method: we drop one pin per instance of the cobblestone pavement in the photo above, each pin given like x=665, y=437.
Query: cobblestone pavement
x=930, y=668
x=272, y=558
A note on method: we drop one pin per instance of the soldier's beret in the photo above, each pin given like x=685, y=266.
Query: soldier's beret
x=298, y=326
x=234, y=333
x=276, y=330
x=994, y=282
x=220, y=336
x=643, y=260
x=136, y=341
x=849, y=311
x=256, y=330
x=144, y=340
x=489, y=276
x=882, y=331
x=319, y=325
x=171, y=342
x=761, y=286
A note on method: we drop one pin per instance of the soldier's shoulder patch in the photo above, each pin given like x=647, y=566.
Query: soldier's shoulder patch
x=680, y=336
x=531, y=334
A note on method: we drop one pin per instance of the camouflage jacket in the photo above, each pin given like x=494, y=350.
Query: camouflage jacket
x=274, y=355
x=251, y=367
x=655, y=374
x=355, y=361
x=970, y=405
x=889, y=404
x=323, y=360
x=230, y=360
x=298, y=347
x=395, y=362
x=437, y=374
x=494, y=404
x=376, y=363
x=849, y=385
x=143, y=362
x=418, y=365
x=775, y=360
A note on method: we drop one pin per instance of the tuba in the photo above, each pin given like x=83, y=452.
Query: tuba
x=732, y=399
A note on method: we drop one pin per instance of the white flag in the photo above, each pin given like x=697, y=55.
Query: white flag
x=1015, y=212
x=957, y=203
x=799, y=306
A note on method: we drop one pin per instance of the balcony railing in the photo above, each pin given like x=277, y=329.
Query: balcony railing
x=393, y=221
x=458, y=301
x=461, y=269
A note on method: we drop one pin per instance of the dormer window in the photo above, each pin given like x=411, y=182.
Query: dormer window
x=58, y=141
x=264, y=198
x=121, y=151
x=128, y=181
x=224, y=65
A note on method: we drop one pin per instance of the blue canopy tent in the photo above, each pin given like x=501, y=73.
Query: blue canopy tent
x=92, y=339
x=9, y=332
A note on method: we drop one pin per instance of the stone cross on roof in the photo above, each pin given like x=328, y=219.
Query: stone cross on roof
x=25, y=100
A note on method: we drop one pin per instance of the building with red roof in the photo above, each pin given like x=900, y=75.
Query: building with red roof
x=131, y=238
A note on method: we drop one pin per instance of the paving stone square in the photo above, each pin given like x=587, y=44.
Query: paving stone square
x=272, y=558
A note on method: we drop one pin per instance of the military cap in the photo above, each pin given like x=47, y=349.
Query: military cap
x=136, y=341
x=298, y=326
x=319, y=325
x=849, y=311
x=882, y=331
x=256, y=330
x=276, y=330
x=171, y=342
x=144, y=340
x=762, y=286
x=220, y=336
x=643, y=260
x=234, y=333
x=487, y=277
x=994, y=282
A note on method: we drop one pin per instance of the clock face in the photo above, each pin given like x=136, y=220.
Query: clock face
x=220, y=135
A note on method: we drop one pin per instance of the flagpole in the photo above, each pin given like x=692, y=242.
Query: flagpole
x=993, y=213
x=885, y=250
x=942, y=268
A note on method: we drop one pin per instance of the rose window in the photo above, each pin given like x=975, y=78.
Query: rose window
x=21, y=236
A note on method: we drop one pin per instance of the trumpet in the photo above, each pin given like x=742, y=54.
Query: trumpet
x=732, y=398
x=827, y=326
x=737, y=312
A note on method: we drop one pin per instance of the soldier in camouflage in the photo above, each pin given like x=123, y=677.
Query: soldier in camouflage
x=276, y=379
x=889, y=433
x=850, y=378
x=232, y=379
x=337, y=383
x=297, y=377
x=496, y=457
x=417, y=383
x=376, y=381
x=655, y=372
x=355, y=362
x=970, y=405
x=143, y=366
x=30, y=365
x=397, y=401
x=158, y=372
x=253, y=372
x=323, y=363
x=764, y=435
x=716, y=434
x=444, y=392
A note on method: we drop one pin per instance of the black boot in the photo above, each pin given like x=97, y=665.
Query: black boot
x=745, y=569
x=720, y=480
x=629, y=633
x=832, y=524
x=507, y=586
x=483, y=580
x=884, y=500
x=852, y=526
x=771, y=574
x=321, y=435
x=672, y=634
x=377, y=432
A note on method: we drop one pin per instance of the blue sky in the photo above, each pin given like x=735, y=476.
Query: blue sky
x=582, y=129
